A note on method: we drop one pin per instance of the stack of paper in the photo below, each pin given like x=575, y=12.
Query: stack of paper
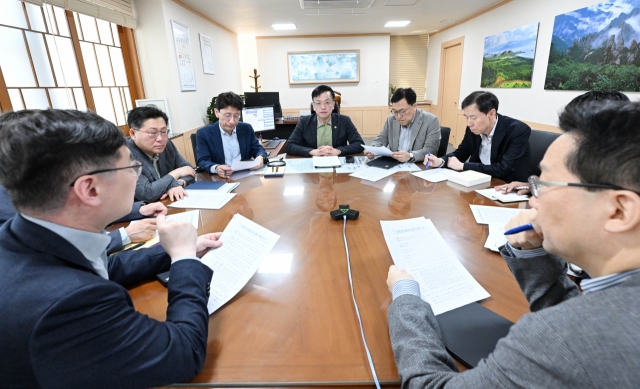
x=501, y=196
x=469, y=178
x=325, y=162
x=417, y=247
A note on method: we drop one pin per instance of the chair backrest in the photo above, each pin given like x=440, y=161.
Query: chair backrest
x=444, y=141
x=539, y=142
x=193, y=144
x=336, y=108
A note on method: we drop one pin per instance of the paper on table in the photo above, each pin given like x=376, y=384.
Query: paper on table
x=358, y=164
x=243, y=165
x=241, y=174
x=372, y=174
x=209, y=201
x=496, y=237
x=435, y=175
x=326, y=162
x=417, y=247
x=301, y=165
x=486, y=215
x=500, y=196
x=383, y=151
x=245, y=245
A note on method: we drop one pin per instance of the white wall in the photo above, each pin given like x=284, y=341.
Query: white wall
x=535, y=104
x=372, y=90
x=159, y=68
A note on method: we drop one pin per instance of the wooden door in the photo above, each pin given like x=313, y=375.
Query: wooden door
x=449, y=88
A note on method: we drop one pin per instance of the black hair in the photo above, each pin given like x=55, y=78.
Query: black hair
x=596, y=95
x=320, y=90
x=43, y=151
x=486, y=101
x=137, y=116
x=229, y=99
x=607, y=135
x=404, y=93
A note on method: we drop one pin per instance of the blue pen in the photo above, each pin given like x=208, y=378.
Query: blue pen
x=515, y=230
x=427, y=165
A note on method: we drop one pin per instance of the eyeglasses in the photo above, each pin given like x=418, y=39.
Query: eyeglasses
x=535, y=185
x=154, y=134
x=399, y=113
x=228, y=116
x=137, y=168
x=321, y=103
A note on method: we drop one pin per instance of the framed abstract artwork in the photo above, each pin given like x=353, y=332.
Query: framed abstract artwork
x=323, y=67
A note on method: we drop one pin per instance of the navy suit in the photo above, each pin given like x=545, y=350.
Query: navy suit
x=209, y=147
x=344, y=136
x=64, y=326
x=510, y=153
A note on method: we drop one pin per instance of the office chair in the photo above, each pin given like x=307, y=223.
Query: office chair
x=444, y=141
x=195, y=156
x=539, y=142
x=336, y=108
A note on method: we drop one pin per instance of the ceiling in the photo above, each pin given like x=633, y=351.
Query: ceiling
x=322, y=17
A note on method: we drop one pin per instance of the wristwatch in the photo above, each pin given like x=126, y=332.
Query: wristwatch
x=411, y=157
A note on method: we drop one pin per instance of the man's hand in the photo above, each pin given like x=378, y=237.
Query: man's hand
x=455, y=164
x=142, y=230
x=182, y=172
x=153, y=209
x=206, y=242
x=402, y=156
x=526, y=240
x=369, y=154
x=224, y=171
x=396, y=275
x=328, y=150
x=508, y=188
x=433, y=161
x=175, y=193
x=260, y=164
x=177, y=238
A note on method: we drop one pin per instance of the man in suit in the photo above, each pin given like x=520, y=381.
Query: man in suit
x=324, y=133
x=228, y=140
x=68, y=321
x=493, y=144
x=409, y=132
x=585, y=209
x=164, y=171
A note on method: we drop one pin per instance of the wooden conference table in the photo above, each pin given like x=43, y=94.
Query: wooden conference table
x=298, y=327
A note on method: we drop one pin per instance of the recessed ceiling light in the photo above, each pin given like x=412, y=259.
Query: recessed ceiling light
x=400, y=23
x=285, y=26
x=447, y=21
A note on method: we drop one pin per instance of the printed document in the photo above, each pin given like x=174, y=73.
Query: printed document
x=372, y=174
x=245, y=245
x=496, y=237
x=207, y=200
x=417, y=247
x=435, y=175
x=487, y=215
x=237, y=166
x=382, y=151
x=326, y=162
x=500, y=196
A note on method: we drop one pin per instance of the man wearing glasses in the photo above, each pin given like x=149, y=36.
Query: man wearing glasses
x=164, y=171
x=410, y=133
x=68, y=320
x=585, y=210
x=493, y=144
x=229, y=140
x=324, y=133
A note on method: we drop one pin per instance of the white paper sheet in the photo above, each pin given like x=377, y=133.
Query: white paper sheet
x=417, y=247
x=301, y=165
x=245, y=245
x=326, y=162
x=493, y=194
x=487, y=215
x=192, y=217
x=243, y=165
x=372, y=174
x=496, y=237
x=214, y=200
x=435, y=175
x=382, y=151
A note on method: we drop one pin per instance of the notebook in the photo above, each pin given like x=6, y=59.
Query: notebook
x=384, y=162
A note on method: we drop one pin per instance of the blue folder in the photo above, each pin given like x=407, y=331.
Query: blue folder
x=210, y=185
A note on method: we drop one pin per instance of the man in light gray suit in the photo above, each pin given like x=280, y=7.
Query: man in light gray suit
x=409, y=132
x=585, y=209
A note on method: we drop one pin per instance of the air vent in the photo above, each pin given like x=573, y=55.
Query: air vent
x=327, y=4
x=393, y=3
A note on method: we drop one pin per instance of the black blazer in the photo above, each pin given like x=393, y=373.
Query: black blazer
x=344, y=137
x=510, y=154
x=64, y=326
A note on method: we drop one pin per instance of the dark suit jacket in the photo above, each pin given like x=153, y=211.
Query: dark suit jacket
x=64, y=326
x=510, y=154
x=209, y=147
x=6, y=207
x=344, y=137
x=150, y=186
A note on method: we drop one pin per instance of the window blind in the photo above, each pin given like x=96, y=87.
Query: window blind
x=408, y=62
x=116, y=11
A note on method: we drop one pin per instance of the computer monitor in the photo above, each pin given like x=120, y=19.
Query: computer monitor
x=260, y=118
x=261, y=99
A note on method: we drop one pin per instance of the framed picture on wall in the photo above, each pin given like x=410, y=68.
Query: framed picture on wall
x=162, y=104
x=323, y=67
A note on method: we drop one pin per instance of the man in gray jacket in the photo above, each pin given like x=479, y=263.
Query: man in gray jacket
x=585, y=209
x=409, y=132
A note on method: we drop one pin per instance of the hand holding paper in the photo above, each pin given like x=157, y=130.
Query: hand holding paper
x=381, y=151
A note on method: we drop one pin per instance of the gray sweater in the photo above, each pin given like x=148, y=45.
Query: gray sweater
x=569, y=341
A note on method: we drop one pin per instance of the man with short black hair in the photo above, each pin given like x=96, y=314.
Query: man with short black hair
x=165, y=173
x=324, y=132
x=493, y=144
x=228, y=140
x=585, y=210
x=68, y=321
x=410, y=133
